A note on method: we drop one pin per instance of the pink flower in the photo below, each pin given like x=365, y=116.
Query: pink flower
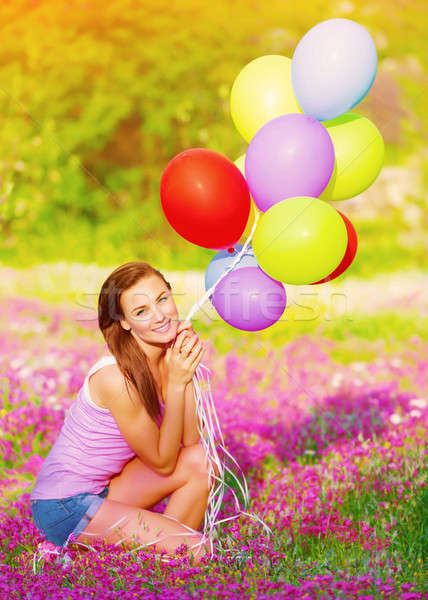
x=49, y=551
x=33, y=464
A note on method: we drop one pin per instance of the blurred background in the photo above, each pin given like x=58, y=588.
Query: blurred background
x=96, y=98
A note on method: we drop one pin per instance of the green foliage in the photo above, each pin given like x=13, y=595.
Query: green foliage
x=96, y=98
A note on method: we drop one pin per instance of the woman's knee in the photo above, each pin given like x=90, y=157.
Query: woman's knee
x=194, y=460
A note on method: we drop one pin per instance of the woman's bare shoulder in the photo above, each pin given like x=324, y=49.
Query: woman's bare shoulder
x=108, y=383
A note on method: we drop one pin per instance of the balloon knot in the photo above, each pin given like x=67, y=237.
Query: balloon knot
x=231, y=250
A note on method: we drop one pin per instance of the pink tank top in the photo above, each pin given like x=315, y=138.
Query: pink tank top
x=89, y=449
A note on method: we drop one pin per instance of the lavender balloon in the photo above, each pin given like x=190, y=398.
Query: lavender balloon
x=249, y=299
x=291, y=155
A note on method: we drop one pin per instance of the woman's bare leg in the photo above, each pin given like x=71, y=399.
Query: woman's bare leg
x=189, y=503
x=138, y=485
x=118, y=523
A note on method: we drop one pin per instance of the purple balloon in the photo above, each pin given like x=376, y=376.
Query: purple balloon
x=291, y=155
x=249, y=299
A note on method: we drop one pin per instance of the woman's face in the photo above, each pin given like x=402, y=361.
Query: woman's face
x=147, y=306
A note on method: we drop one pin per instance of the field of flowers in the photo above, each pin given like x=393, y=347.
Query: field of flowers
x=326, y=415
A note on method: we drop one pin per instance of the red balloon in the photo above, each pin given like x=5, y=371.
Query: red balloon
x=205, y=198
x=348, y=257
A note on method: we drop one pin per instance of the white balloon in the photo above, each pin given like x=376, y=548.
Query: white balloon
x=333, y=67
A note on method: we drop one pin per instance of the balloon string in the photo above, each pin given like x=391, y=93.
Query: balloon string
x=210, y=522
x=205, y=418
x=208, y=293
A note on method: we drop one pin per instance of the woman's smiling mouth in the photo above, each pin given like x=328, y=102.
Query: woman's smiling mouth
x=164, y=328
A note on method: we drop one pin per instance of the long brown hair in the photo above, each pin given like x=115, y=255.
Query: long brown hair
x=129, y=356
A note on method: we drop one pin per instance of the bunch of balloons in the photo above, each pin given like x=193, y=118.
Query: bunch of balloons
x=305, y=149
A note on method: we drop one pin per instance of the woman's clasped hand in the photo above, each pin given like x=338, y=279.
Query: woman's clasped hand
x=183, y=357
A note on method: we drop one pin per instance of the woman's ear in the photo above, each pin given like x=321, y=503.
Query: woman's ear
x=125, y=325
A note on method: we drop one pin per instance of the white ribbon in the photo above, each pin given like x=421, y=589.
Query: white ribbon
x=205, y=412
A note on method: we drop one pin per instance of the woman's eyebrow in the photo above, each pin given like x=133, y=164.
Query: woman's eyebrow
x=144, y=305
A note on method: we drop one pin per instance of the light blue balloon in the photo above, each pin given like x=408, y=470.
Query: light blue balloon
x=333, y=67
x=223, y=259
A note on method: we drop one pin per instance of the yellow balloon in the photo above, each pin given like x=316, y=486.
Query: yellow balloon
x=359, y=153
x=250, y=223
x=262, y=91
x=240, y=163
x=300, y=240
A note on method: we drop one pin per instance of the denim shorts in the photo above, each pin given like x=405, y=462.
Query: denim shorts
x=59, y=518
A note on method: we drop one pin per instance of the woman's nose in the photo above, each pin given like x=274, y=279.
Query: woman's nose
x=158, y=315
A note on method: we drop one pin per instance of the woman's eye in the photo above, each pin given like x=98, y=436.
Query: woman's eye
x=143, y=309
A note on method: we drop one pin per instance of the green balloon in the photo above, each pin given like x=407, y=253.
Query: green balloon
x=359, y=151
x=300, y=240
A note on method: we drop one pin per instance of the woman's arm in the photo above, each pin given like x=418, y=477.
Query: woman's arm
x=190, y=430
x=157, y=447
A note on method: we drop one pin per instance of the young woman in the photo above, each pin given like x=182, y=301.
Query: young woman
x=119, y=451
